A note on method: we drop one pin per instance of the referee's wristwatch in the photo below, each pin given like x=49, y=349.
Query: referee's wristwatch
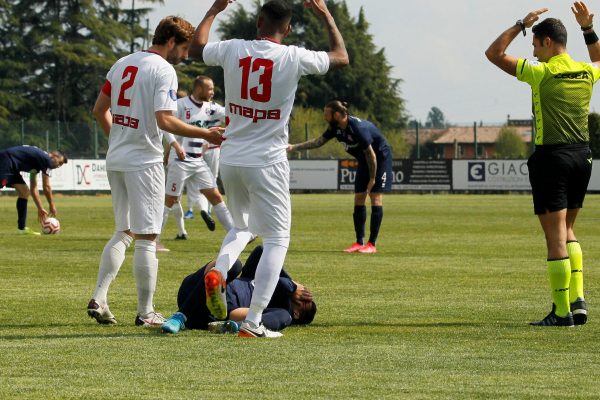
x=522, y=25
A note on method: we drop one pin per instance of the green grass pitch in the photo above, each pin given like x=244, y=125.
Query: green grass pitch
x=441, y=310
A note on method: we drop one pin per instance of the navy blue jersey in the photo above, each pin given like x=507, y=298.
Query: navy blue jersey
x=27, y=158
x=357, y=137
x=239, y=294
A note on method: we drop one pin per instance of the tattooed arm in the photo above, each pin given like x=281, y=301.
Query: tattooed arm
x=311, y=144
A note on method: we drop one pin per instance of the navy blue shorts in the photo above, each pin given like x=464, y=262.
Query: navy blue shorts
x=559, y=176
x=8, y=177
x=383, y=176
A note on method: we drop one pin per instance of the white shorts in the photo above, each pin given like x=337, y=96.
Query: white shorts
x=196, y=174
x=258, y=198
x=211, y=157
x=138, y=199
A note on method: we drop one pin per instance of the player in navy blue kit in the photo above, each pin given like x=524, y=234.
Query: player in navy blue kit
x=364, y=142
x=292, y=303
x=15, y=160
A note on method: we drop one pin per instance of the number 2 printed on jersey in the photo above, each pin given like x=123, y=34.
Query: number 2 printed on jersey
x=129, y=74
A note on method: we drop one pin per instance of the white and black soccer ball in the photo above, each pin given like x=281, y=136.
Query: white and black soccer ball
x=50, y=226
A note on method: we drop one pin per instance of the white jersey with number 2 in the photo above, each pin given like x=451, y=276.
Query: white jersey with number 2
x=261, y=77
x=138, y=85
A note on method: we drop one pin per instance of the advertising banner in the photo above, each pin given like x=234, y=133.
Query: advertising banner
x=89, y=175
x=406, y=174
x=422, y=175
x=313, y=174
x=509, y=175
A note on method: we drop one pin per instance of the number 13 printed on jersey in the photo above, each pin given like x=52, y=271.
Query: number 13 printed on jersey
x=262, y=92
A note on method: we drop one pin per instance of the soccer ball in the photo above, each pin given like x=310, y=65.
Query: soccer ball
x=50, y=226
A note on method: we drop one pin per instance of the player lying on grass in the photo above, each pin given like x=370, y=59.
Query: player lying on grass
x=292, y=303
x=15, y=160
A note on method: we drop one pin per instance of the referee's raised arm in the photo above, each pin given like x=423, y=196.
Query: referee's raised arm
x=496, y=53
x=585, y=20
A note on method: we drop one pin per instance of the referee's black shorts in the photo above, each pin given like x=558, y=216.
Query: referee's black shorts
x=383, y=176
x=559, y=176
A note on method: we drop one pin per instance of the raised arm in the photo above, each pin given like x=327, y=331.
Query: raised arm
x=585, y=20
x=201, y=35
x=311, y=144
x=496, y=53
x=338, y=56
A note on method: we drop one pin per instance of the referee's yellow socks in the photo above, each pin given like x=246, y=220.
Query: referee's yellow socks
x=576, y=258
x=559, y=272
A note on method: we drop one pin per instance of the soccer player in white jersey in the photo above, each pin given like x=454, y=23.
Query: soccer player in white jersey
x=136, y=102
x=198, y=110
x=261, y=77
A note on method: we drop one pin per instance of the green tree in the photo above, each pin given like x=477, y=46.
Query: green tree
x=55, y=55
x=594, y=128
x=435, y=118
x=366, y=84
x=509, y=144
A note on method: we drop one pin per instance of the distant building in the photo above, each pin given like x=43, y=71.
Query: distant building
x=459, y=142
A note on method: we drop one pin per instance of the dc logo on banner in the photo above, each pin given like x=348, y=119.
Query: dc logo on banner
x=476, y=171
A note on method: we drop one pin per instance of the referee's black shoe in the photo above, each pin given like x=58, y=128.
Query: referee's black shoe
x=210, y=223
x=554, y=320
x=579, y=310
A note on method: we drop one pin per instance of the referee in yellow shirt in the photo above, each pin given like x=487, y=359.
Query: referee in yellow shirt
x=561, y=166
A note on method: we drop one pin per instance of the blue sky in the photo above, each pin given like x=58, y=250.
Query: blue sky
x=437, y=48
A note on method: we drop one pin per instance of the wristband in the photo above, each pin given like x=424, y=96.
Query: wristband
x=590, y=38
x=522, y=25
x=587, y=28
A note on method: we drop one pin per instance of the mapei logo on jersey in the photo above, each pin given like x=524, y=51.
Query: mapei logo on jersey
x=254, y=114
x=476, y=171
x=173, y=95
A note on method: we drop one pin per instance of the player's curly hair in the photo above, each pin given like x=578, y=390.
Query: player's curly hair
x=552, y=28
x=173, y=26
x=338, y=106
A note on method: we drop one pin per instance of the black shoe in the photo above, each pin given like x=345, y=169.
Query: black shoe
x=554, y=320
x=210, y=223
x=183, y=236
x=579, y=310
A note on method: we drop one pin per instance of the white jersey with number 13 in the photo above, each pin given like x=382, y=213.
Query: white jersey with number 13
x=261, y=77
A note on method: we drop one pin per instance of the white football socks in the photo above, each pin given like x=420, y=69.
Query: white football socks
x=233, y=244
x=145, y=271
x=111, y=260
x=166, y=212
x=178, y=215
x=267, y=275
x=223, y=215
x=203, y=202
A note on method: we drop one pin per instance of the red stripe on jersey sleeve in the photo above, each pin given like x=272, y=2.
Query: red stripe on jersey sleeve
x=106, y=88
